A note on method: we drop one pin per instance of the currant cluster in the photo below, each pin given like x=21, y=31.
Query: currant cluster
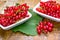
x=45, y=27
x=51, y=8
x=13, y=14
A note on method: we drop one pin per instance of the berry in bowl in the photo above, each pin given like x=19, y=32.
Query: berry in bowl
x=13, y=16
x=48, y=9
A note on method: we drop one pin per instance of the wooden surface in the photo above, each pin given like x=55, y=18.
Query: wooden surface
x=9, y=35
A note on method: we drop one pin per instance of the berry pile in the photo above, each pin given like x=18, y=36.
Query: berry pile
x=13, y=14
x=44, y=27
x=51, y=8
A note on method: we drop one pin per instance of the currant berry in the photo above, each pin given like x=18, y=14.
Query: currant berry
x=50, y=29
x=46, y=31
x=39, y=31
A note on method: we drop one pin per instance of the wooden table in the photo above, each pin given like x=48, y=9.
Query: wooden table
x=9, y=35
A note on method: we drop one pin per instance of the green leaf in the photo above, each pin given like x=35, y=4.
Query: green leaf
x=29, y=27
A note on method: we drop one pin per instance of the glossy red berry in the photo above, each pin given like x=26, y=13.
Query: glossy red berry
x=45, y=28
x=49, y=29
x=50, y=24
x=45, y=22
x=38, y=30
x=41, y=26
x=46, y=31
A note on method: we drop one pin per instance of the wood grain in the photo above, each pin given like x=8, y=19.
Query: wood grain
x=9, y=35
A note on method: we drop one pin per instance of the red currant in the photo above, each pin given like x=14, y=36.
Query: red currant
x=49, y=29
x=38, y=30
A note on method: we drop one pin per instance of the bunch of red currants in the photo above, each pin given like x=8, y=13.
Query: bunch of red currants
x=45, y=27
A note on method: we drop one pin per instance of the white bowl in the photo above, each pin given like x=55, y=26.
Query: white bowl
x=44, y=15
x=12, y=3
x=17, y=23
